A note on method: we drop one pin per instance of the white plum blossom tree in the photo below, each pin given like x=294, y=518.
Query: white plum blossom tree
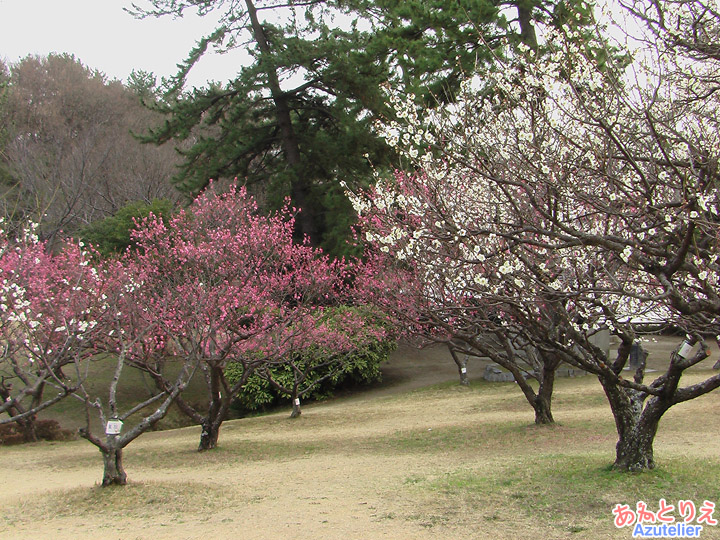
x=568, y=192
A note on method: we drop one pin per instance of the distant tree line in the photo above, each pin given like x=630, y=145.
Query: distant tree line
x=68, y=154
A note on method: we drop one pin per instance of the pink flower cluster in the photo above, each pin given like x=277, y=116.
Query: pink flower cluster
x=218, y=282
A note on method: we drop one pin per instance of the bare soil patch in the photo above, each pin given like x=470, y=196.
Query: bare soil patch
x=402, y=461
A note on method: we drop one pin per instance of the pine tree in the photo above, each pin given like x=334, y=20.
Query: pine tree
x=298, y=120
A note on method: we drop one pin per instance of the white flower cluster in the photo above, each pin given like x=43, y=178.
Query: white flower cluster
x=595, y=171
x=406, y=134
x=14, y=301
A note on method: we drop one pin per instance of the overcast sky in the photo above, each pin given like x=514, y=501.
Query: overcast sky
x=104, y=37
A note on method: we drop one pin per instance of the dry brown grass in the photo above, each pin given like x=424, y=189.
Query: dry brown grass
x=440, y=462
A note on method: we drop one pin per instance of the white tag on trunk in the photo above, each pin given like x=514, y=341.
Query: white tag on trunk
x=463, y=370
x=297, y=402
x=685, y=350
x=113, y=427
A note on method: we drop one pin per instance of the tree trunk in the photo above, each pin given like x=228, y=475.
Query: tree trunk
x=305, y=224
x=634, y=450
x=527, y=29
x=543, y=368
x=217, y=409
x=636, y=426
x=28, y=428
x=113, y=473
x=636, y=432
x=295, y=407
x=209, y=435
x=543, y=412
x=463, y=375
x=540, y=401
x=461, y=365
x=543, y=400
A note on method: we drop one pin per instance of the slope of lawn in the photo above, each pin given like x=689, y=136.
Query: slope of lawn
x=442, y=461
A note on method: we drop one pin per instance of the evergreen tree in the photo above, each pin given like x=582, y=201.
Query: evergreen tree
x=298, y=119
x=432, y=45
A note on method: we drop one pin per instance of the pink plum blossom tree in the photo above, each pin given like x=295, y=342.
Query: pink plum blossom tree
x=58, y=311
x=229, y=288
x=50, y=317
x=131, y=339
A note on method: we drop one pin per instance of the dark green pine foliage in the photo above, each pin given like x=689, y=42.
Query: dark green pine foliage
x=433, y=45
x=297, y=121
x=293, y=123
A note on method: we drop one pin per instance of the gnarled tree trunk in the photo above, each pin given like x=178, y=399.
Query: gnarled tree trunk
x=113, y=471
x=209, y=434
x=217, y=410
x=542, y=404
x=522, y=361
x=636, y=425
x=541, y=401
x=544, y=368
x=634, y=449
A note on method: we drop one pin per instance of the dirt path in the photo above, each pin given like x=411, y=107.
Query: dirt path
x=410, y=368
x=331, y=474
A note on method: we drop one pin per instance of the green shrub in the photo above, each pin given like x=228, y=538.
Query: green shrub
x=112, y=235
x=356, y=368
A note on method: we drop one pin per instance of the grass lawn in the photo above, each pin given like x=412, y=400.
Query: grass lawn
x=440, y=462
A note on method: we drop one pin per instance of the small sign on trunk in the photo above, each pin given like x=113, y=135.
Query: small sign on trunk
x=113, y=427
